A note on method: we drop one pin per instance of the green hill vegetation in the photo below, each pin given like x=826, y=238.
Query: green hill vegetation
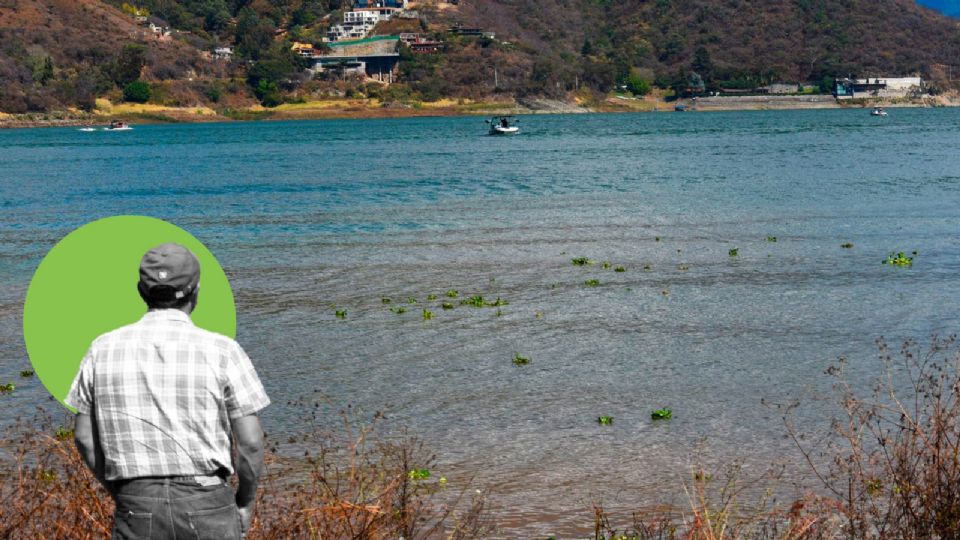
x=66, y=53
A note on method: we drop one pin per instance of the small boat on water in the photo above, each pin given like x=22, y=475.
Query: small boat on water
x=503, y=125
x=878, y=111
x=118, y=125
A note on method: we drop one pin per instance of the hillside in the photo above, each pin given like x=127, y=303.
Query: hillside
x=65, y=53
x=730, y=42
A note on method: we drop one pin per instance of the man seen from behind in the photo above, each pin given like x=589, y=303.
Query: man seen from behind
x=157, y=403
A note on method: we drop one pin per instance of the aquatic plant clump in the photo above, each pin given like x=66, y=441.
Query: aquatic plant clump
x=26, y=373
x=398, y=310
x=581, y=261
x=427, y=314
x=6, y=388
x=341, y=314
x=475, y=301
x=446, y=305
x=899, y=259
x=620, y=269
x=385, y=300
x=846, y=245
x=431, y=297
x=520, y=360
x=418, y=474
x=734, y=252
x=453, y=293
x=592, y=282
x=605, y=420
x=771, y=239
x=662, y=414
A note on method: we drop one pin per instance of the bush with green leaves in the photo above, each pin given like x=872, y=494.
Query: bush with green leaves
x=137, y=92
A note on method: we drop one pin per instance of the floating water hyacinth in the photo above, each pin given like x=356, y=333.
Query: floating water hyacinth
x=476, y=301
x=497, y=303
x=592, y=282
x=453, y=293
x=427, y=314
x=6, y=388
x=581, y=261
x=620, y=269
x=341, y=314
x=662, y=414
x=520, y=360
x=771, y=239
x=899, y=259
x=431, y=297
x=418, y=474
x=398, y=310
x=26, y=373
x=385, y=300
x=683, y=267
x=446, y=305
x=734, y=252
x=605, y=420
x=646, y=267
x=606, y=265
x=411, y=300
x=847, y=245
x=63, y=433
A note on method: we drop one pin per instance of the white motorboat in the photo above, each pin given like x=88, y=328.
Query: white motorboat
x=503, y=125
x=878, y=111
x=118, y=125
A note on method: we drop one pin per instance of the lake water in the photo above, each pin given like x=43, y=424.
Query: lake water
x=311, y=217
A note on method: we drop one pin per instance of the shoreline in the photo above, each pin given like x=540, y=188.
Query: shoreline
x=373, y=109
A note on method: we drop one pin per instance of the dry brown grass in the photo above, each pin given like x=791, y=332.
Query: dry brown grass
x=895, y=467
x=345, y=487
x=47, y=491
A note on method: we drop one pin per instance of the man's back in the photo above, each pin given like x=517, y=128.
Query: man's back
x=157, y=402
x=164, y=392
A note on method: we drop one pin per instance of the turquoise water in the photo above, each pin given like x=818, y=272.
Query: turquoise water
x=310, y=217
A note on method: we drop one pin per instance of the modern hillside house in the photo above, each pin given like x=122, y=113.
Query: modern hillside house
x=892, y=87
x=364, y=16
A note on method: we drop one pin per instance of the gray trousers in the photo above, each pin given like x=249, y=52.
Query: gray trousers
x=174, y=508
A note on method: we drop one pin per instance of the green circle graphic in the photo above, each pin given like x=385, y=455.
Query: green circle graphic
x=87, y=285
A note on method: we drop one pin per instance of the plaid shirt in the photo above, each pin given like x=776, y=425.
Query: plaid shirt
x=162, y=393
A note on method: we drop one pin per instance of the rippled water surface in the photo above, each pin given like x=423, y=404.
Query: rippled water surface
x=311, y=217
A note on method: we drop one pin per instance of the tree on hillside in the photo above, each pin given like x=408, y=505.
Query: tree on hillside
x=637, y=84
x=137, y=92
x=702, y=63
x=216, y=15
x=278, y=68
x=254, y=34
x=129, y=64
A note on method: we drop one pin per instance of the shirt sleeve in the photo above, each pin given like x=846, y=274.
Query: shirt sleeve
x=80, y=396
x=244, y=393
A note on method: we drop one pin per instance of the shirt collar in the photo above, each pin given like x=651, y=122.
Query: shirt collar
x=173, y=315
